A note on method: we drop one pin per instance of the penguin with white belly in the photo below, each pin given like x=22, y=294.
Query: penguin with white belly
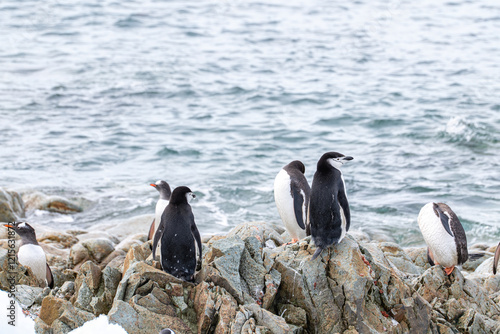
x=179, y=236
x=444, y=235
x=291, y=194
x=329, y=216
x=165, y=192
x=31, y=254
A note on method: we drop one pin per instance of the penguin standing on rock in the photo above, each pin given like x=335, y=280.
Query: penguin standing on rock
x=329, y=216
x=444, y=235
x=291, y=194
x=165, y=192
x=179, y=236
x=31, y=254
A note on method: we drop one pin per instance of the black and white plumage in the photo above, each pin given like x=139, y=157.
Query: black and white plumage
x=167, y=331
x=291, y=194
x=329, y=215
x=165, y=192
x=31, y=254
x=444, y=235
x=179, y=236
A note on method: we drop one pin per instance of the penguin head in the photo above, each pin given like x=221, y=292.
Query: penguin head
x=296, y=164
x=334, y=159
x=25, y=230
x=181, y=195
x=167, y=331
x=163, y=188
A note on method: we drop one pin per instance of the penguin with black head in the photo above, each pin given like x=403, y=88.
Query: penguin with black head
x=180, y=240
x=164, y=189
x=31, y=254
x=329, y=215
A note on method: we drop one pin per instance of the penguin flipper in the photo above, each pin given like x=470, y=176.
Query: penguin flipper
x=445, y=219
x=298, y=205
x=158, y=234
x=344, y=204
x=429, y=258
x=495, y=259
x=49, y=277
x=151, y=230
x=196, y=235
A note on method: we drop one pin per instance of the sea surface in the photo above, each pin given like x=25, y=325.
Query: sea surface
x=100, y=98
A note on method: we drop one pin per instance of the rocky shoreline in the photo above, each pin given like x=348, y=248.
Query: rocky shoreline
x=251, y=283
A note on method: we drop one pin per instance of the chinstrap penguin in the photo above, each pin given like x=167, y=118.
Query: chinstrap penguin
x=444, y=235
x=165, y=192
x=291, y=194
x=329, y=217
x=179, y=236
x=31, y=254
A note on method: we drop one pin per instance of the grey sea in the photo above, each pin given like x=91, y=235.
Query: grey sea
x=100, y=98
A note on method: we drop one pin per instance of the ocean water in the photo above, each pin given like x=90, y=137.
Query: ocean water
x=100, y=98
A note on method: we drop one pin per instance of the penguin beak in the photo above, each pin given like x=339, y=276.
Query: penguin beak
x=153, y=185
x=347, y=158
x=10, y=226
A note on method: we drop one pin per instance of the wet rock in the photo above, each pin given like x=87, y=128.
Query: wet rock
x=11, y=206
x=136, y=254
x=60, y=316
x=137, y=278
x=261, y=231
x=27, y=295
x=399, y=259
x=224, y=256
x=67, y=290
x=359, y=235
x=103, y=300
x=39, y=201
x=98, y=248
x=95, y=250
x=97, y=235
x=293, y=315
x=139, y=319
x=419, y=256
x=274, y=323
x=115, y=258
x=215, y=308
x=86, y=285
x=448, y=294
x=59, y=239
x=131, y=241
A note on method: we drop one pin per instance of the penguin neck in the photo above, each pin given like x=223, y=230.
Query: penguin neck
x=164, y=194
x=28, y=241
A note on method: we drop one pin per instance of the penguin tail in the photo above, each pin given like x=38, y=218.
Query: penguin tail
x=316, y=253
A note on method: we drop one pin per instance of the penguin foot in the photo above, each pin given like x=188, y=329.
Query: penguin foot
x=291, y=242
x=449, y=270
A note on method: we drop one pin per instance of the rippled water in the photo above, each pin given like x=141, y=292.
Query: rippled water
x=98, y=99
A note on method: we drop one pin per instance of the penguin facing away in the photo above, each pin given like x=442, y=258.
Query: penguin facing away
x=329, y=216
x=31, y=254
x=179, y=237
x=291, y=194
x=165, y=192
x=444, y=235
